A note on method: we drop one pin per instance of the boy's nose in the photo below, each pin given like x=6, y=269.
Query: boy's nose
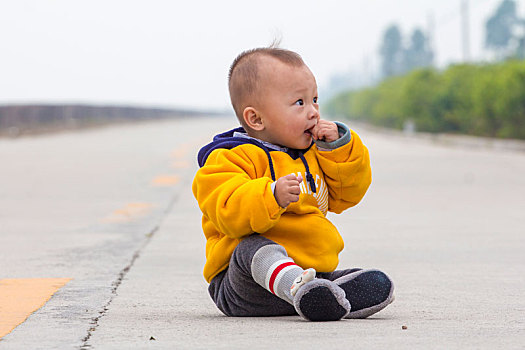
x=313, y=113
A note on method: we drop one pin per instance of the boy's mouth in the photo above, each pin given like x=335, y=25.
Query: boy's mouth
x=309, y=131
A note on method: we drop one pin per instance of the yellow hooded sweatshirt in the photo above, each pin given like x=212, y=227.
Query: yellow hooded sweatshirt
x=235, y=194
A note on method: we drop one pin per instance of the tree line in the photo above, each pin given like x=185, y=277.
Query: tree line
x=504, y=38
x=398, y=58
x=505, y=31
x=476, y=99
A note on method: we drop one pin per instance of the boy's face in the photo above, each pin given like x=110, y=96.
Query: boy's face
x=287, y=104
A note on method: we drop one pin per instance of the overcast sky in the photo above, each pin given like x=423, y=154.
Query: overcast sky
x=177, y=53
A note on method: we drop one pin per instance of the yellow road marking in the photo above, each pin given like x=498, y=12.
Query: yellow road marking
x=181, y=151
x=129, y=212
x=20, y=297
x=165, y=180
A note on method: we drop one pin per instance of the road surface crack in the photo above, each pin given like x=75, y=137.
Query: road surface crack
x=95, y=321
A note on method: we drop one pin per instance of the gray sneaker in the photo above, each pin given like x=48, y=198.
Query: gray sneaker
x=368, y=291
x=321, y=300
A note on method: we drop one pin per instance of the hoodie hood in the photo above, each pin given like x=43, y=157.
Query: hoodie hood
x=224, y=140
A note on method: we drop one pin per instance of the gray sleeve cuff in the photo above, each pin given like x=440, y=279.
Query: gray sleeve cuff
x=344, y=138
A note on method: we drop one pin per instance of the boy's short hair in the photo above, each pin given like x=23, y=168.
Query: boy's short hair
x=243, y=76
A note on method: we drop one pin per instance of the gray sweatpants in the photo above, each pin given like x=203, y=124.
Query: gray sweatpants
x=236, y=293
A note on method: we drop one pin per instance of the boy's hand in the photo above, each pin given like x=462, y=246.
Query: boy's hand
x=287, y=189
x=325, y=131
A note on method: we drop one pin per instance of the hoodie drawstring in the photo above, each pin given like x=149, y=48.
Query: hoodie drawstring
x=269, y=161
x=309, y=176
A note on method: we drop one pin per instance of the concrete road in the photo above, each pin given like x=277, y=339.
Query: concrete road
x=112, y=210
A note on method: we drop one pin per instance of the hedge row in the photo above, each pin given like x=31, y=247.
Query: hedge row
x=485, y=100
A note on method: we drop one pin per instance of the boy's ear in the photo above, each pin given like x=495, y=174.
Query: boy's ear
x=252, y=119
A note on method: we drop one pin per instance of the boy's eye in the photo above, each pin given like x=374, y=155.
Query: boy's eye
x=299, y=102
x=315, y=99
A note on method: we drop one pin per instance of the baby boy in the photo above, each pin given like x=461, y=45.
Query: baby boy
x=264, y=190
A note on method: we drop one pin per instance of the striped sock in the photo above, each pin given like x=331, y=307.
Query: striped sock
x=274, y=270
